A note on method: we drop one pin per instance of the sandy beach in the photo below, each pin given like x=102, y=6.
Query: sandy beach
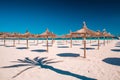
x=63, y=62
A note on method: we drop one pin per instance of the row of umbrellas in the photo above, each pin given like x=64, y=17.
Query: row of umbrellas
x=84, y=32
x=47, y=34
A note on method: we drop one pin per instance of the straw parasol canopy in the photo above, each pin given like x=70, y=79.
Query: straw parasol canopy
x=27, y=35
x=84, y=32
x=13, y=36
x=105, y=34
x=47, y=33
x=110, y=35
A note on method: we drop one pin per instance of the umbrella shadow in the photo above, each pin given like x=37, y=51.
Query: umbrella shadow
x=39, y=50
x=117, y=46
x=112, y=61
x=63, y=46
x=22, y=43
x=118, y=43
x=1, y=45
x=21, y=48
x=46, y=45
x=60, y=44
x=76, y=44
x=33, y=44
x=88, y=48
x=9, y=46
x=43, y=64
x=68, y=55
x=116, y=50
x=94, y=45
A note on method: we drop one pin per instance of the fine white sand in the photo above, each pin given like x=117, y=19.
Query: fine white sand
x=77, y=67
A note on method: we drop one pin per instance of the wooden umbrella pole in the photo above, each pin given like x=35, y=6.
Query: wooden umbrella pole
x=107, y=40
x=4, y=41
x=90, y=40
x=47, y=43
x=34, y=40
x=66, y=40
x=27, y=42
x=71, y=41
x=52, y=40
x=83, y=42
x=104, y=41
x=42, y=40
x=110, y=39
x=84, y=45
x=13, y=42
x=18, y=40
x=37, y=41
x=98, y=43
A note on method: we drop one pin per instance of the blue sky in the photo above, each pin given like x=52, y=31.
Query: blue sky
x=59, y=16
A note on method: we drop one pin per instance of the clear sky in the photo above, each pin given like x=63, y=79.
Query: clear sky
x=59, y=16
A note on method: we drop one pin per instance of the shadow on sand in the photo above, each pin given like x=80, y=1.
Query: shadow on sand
x=113, y=61
x=116, y=50
x=9, y=46
x=60, y=44
x=21, y=48
x=88, y=48
x=117, y=46
x=63, y=46
x=2, y=45
x=94, y=45
x=76, y=44
x=39, y=50
x=43, y=63
x=33, y=44
x=68, y=55
x=46, y=45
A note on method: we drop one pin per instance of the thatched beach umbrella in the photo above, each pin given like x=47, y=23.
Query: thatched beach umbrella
x=110, y=35
x=106, y=35
x=27, y=35
x=53, y=36
x=4, y=36
x=16, y=35
x=70, y=35
x=84, y=32
x=98, y=34
x=46, y=35
x=13, y=36
x=37, y=36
